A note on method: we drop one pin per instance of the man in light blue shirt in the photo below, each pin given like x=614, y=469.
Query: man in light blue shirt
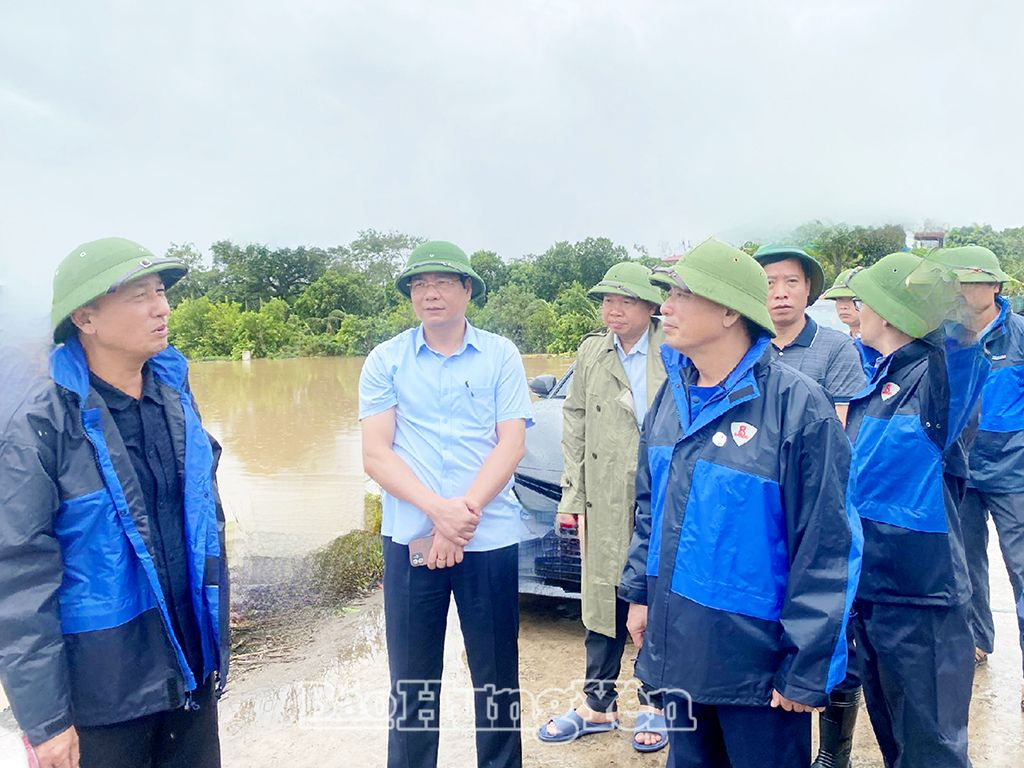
x=634, y=363
x=444, y=409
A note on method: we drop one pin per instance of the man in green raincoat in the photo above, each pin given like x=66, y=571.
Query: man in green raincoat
x=618, y=372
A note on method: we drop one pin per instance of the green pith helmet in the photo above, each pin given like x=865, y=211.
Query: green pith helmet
x=438, y=256
x=769, y=254
x=841, y=287
x=725, y=275
x=971, y=263
x=628, y=278
x=100, y=267
x=910, y=293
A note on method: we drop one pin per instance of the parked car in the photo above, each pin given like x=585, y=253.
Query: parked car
x=824, y=313
x=549, y=559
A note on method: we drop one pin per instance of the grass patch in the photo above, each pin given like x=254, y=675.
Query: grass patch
x=348, y=566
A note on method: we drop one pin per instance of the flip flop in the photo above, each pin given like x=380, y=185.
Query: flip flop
x=570, y=727
x=650, y=722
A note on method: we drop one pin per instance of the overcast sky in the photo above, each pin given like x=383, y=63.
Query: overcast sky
x=505, y=126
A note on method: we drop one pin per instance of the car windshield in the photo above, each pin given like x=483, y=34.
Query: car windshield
x=561, y=390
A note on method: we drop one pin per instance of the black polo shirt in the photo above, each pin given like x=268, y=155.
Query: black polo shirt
x=143, y=428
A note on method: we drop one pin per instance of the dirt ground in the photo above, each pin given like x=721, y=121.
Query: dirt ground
x=323, y=691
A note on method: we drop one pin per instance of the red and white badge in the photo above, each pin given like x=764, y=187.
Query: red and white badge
x=889, y=390
x=742, y=432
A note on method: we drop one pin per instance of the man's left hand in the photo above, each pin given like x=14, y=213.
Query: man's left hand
x=778, y=700
x=443, y=553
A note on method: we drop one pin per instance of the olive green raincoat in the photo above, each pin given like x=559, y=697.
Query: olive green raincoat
x=600, y=439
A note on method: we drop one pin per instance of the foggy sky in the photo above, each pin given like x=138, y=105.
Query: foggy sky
x=505, y=126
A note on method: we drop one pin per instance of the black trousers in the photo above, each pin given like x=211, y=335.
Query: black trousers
x=918, y=668
x=726, y=736
x=852, y=680
x=416, y=600
x=604, y=661
x=176, y=738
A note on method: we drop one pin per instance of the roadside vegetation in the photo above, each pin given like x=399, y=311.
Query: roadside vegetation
x=312, y=301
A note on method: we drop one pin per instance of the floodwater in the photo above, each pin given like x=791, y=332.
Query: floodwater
x=291, y=474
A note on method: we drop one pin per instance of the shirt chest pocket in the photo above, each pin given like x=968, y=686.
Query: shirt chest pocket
x=477, y=404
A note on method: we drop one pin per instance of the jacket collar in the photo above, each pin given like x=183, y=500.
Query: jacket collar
x=902, y=358
x=69, y=369
x=739, y=386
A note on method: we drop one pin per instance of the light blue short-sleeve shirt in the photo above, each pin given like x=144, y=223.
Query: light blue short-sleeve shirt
x=634, y=363
x=446, y=415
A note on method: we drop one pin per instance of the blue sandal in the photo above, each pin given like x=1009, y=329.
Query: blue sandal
x=650, y=722
x=570, y=727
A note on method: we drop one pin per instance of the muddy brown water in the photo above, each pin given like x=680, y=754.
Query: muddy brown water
x=291, y=474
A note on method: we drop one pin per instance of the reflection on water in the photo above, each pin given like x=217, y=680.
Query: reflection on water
x=291, y=475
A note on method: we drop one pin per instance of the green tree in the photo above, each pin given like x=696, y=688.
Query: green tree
x=200, y=279
x=576, y=315
x=564, y=263
x=492, y=270
x=596, y=256
x=254, y=273
x=340, y=289
x=538, y=330
x=521, y=272
x=201, y=328
x=506, y=313
x=839, y=246
x=573, y=300
x=357, y=335
x=568, y=332
x=268, y=332
x=379, y=256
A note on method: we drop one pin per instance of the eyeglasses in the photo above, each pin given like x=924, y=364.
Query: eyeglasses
x=857, y=303
x=440, y=284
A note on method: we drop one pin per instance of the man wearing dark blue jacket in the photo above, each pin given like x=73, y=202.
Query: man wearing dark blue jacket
x=113, y=590
x=995, y=482
x=744, y=559
x=911, y=617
